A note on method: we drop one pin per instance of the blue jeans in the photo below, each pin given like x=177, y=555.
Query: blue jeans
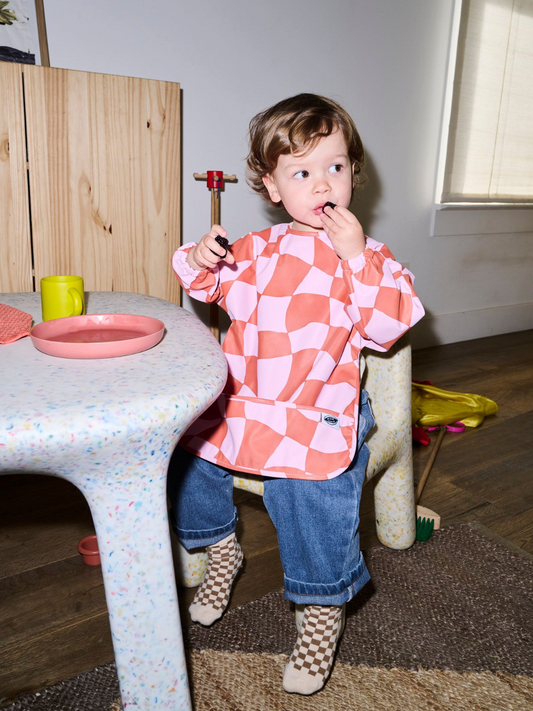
x=316, y=521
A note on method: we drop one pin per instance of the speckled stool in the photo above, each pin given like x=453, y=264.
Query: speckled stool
x=387, y=379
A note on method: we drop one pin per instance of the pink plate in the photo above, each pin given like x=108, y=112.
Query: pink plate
x=97, y=335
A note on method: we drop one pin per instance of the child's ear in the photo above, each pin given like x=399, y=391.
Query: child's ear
x=270, y=185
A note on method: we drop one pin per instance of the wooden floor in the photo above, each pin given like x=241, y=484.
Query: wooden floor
x=53, y=618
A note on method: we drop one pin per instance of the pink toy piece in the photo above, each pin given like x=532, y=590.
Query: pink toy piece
x=97, y=335
x=14, y=324
x=88, y=547
x=457, y=427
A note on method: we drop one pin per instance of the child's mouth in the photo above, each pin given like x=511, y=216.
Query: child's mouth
x=319, y=209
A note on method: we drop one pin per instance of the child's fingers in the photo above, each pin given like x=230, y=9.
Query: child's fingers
x=330, y=222
x=338, y=219
x=220, y=234
x=331, y=217
x=217, y=230
x=205, y=258
x=211, y=250
x=217, y=252
x=339, y=215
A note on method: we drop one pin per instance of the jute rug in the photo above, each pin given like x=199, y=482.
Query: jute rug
x=444, y=626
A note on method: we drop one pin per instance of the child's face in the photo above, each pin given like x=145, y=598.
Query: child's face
x=305, y=182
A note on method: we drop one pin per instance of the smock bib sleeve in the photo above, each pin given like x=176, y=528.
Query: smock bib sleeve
x=382, y=302
x=213, y=285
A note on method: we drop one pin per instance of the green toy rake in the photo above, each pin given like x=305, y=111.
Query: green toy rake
x=427, y=520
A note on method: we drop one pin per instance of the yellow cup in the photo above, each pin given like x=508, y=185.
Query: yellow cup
x=62, y=296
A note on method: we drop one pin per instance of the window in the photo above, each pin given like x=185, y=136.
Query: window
x=489, y=153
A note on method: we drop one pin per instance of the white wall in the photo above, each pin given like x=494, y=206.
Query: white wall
x=384, y=60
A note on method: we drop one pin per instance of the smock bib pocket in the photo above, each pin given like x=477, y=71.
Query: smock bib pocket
x=281, y=439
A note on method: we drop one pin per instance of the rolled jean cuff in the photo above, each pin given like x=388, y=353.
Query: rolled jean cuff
x=325, y=594
x=201, y=539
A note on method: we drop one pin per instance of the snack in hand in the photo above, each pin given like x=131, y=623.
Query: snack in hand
x=223, y=242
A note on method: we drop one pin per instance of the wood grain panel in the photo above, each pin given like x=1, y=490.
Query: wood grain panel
x=104, y=154
x=15, y=242
x=143, y=130
x=66, y=149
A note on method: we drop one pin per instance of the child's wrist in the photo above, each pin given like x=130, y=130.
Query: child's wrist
x=353, y=250
x=352, y=254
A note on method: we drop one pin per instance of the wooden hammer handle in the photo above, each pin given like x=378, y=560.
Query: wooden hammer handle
x=425, y=473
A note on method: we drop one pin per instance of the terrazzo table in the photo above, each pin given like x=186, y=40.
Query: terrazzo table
x=109, y=426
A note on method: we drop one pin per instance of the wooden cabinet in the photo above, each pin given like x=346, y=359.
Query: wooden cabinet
x=89, y=180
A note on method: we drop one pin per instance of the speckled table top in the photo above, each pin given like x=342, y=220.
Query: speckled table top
x=185, y=368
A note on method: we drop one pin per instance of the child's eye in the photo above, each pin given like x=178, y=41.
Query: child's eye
x=301, y=174
x=336, y=168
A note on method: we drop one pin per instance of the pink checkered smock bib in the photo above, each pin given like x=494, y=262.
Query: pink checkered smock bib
x=300, y=317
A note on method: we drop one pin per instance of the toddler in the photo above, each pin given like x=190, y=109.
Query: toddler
x=304, y=299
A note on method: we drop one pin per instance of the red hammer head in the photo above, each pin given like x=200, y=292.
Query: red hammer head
x=215, y=179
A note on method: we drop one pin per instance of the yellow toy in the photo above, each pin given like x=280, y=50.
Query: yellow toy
x=432, y=406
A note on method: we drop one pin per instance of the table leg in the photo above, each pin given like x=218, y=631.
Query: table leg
x=131, y=524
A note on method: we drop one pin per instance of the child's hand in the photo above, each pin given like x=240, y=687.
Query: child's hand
x=344, y=231
x=208, y=252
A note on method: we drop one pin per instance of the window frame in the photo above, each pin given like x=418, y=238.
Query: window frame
x=480, y=217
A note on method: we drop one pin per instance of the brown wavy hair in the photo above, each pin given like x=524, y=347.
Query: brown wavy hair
x=295, y=125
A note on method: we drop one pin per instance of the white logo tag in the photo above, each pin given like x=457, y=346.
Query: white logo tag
x=330, y=420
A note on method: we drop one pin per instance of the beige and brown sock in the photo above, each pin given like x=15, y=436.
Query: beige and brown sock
x=311, y=661
x=225, y=559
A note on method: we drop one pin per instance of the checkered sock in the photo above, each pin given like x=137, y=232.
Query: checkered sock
x=312, y=658
x=224, y=561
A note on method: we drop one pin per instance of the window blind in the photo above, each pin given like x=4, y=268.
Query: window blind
x=490, y=143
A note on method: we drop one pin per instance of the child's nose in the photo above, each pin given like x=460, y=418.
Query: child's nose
x=322, y=184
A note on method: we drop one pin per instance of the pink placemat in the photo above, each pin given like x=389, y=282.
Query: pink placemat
x=14, y=324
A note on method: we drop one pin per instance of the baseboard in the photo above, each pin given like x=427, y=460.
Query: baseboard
x=435, y=330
